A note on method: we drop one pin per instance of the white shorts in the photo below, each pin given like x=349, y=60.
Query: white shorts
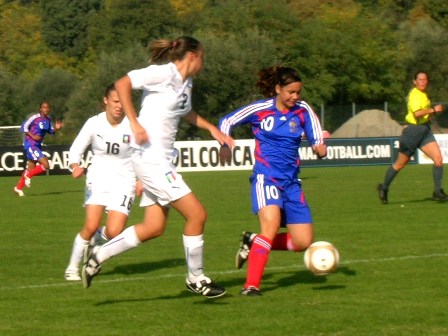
x=161, y=183
x=116, y=195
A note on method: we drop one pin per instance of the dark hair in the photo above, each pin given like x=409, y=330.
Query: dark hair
x=418, y=73
x=277, y=75
x=110, y=87
x=164, y=51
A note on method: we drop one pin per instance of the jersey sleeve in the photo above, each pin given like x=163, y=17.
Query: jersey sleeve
x=82, y=141
x=25, y=127
x=243, y=115
x=311, y=126
x=150, y=76
x=418, y=101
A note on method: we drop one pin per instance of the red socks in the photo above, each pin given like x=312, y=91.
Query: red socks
x=259, y=254
x=283, y=242
x=21, y=182
x=258, y=257
x=39, y=169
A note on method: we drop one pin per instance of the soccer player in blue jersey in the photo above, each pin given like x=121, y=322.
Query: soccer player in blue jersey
x=35, y=129
x=278, y=123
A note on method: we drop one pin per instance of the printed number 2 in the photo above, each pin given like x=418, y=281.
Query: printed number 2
x=184, y=100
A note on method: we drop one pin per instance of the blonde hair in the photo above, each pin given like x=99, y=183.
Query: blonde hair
x=163, y=51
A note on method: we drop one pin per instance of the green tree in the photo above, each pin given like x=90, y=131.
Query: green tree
x=7, y=90
x=438, y=10
x=65, y=23
x=22, y=51
x=86, y=99
x=124, y=23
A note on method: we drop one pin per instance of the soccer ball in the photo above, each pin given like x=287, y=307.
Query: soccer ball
x=321, y=258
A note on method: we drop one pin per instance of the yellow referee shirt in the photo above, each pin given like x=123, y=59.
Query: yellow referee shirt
x=417, y=100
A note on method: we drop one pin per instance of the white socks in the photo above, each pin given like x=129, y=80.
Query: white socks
x=121, y=243
x=194, y=247
x=77, y=251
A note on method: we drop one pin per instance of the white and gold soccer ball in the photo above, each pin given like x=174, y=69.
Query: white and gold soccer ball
x=321, y=258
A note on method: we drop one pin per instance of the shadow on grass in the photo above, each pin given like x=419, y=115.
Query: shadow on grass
x=146, y=267
x=268, y=284
x=55, y=193
x=184, y=294
x=306, y=277
x=427, y=199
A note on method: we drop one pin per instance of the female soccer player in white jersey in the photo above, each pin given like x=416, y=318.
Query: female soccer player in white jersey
x=278, y=123
x=166, y=84
x=110, y=180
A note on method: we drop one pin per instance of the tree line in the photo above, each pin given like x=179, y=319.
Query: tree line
x=362, y=51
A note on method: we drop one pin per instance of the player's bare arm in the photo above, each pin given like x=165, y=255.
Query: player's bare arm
x=124, y=90
x=196, y=120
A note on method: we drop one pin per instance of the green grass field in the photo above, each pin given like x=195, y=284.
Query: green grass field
x=392, y=279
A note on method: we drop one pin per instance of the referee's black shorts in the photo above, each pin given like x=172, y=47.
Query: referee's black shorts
x=414, y=137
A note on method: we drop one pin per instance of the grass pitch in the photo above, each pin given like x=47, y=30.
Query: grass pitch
x=391, y=280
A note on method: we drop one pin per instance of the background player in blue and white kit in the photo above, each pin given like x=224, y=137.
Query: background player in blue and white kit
x=166, y=86
x=278, y=123
x=35, y=129
x=110, y=181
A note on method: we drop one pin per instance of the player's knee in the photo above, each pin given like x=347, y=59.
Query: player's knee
x=112, y=232
x=302, y=244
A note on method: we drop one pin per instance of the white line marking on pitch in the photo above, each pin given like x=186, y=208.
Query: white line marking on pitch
x=158, y=277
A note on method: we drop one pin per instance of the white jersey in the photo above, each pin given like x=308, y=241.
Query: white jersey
x=166, y=98
x=110, y=146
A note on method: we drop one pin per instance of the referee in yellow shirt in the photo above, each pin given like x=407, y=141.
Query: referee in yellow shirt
x=417, y=134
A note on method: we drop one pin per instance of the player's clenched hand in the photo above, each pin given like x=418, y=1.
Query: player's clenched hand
x=140, y=134
x=225, y=155
x=58, y=125
x=222, y=138
x=77, y=171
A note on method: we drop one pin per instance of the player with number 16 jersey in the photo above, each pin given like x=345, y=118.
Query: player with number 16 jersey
x=110, y=173
x=110, y=182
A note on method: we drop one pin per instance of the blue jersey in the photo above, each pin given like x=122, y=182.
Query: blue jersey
x=37, y=125
x=277, y=135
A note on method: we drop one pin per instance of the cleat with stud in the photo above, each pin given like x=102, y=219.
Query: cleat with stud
x=91, y=266
x=250, y=291
x=243, y=252
x=205, y=287
x=382, y=194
